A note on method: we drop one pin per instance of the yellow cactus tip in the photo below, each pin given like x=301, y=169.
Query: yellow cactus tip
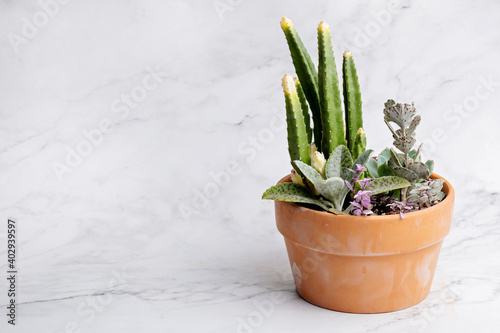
x=286, y=23
x=347, y=54
x=288, y=85
x=323, y=26
x=361, y=131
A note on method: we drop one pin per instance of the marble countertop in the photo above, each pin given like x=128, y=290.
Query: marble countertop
x=137, y=137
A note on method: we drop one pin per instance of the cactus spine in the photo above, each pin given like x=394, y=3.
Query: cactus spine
x=332, y=122
x=306, y=72
x=352, y=101
x=298, y=143
x=305, y=109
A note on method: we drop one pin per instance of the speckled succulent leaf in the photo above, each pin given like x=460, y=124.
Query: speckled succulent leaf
x=359, y=143
x=306, y=72
x=396, y=159
x=384, y=170
x=305, y=108
x=333, y=190
x=292, y=192
x=420, y=168
x=404, y=143
x=413, y=125
x=338, y=162
x=385, y=184
x=363, y=158
x=405, y=173
x=298, y=143
x=430, y=164
x=352, y=104
x=306, y=171
x=400, y=114
x=372, y=167
x=394, y=135
x=332, y=122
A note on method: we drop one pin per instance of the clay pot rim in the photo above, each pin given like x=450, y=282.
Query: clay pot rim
x=447, y=189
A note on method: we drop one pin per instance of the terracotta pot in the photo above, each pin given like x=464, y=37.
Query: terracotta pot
x=364, y=264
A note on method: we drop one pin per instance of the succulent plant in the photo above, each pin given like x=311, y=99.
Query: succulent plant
x=329, y=156
x=426, y=193
x=319, y=91
x=330, y=191
x=406, y=164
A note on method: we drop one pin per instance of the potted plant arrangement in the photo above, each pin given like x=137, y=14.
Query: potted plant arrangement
x=363, y=234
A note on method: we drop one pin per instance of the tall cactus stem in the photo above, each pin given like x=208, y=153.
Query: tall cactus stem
x=298, y=143
x=352, y=100
x=306, y=72
x=359, y=143
x=332, y=122
x=305, y=109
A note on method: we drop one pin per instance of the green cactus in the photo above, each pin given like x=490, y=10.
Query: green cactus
x=332, y=122
x=352, y=101
x=298, y=143
x=359, y=143
x=319, y=91
x=305, y=109
x=306, y=72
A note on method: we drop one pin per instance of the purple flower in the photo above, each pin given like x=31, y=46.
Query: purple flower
x=359, y=210
x=401, y=207
x=364, y=182
x=349, y=185
x=360, y=168
x=363, y=197
x=362, y=203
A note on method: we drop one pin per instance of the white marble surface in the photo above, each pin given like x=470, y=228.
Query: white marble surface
x=215, y=103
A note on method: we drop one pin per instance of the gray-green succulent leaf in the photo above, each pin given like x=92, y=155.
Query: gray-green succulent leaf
x=338, y=162
x=385, y=184
x=333, y=189
x=292, y=192
x=307, y=171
